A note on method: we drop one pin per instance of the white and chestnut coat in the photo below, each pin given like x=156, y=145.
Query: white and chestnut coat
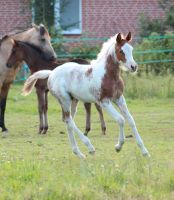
x=98, y=82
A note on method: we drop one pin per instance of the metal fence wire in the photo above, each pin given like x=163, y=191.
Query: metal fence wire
x=24, y=72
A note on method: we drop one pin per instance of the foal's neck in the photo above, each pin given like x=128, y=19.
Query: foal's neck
x=33, y=59
x=112, y=68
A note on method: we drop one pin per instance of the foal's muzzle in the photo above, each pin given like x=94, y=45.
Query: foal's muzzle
x=134, y=68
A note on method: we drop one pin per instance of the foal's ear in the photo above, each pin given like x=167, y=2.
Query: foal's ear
x=35, y=26
x=129, y=37
x=118, y=39
x=15, y=43
x=42, y=29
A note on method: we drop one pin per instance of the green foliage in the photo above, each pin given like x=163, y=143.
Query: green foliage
x=170, y=17
x=155, y=45
x=148, y=25
x=85, y=51
x=44, y=12
x=143, y=87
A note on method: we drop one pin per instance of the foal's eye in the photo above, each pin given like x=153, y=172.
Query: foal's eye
x=121, y=51
x=43, y=40
x=14, y=51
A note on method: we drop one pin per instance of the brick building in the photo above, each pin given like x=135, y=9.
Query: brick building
x=96, y=18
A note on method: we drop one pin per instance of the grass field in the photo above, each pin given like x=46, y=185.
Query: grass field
x=40, y=167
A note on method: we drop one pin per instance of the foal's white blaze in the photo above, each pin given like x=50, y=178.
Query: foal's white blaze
x=130, y=64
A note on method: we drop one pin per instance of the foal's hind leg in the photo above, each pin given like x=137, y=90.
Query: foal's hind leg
x=121, y=103
x=66, y=105
x=65, y=101
x=102, y=121
x=74, y=146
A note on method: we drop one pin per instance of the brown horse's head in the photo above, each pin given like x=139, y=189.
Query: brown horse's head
x=124, y=52
x=38, y=36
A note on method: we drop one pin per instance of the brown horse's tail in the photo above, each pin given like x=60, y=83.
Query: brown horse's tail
x=31, y=81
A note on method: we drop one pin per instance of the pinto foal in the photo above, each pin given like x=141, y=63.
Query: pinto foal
x=32, y=55
x=99, y=82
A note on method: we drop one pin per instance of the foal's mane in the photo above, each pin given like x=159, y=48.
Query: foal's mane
x=108, y=48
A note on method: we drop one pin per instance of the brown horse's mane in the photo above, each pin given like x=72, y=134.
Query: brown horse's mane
x=36, y=48
x=18, y=31
x=14, y=32
x=57, y=61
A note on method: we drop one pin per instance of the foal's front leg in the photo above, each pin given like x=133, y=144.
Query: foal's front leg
x=121, y=103
x=107, y=105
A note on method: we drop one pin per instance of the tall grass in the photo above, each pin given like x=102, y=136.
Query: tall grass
x=149, y=86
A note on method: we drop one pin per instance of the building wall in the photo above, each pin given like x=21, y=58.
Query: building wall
x=103, y=18
x=14, y=14
x=100, y=18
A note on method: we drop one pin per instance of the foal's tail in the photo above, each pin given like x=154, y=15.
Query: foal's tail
x=31, y=81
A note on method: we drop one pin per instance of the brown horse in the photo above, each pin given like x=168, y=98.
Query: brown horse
x=33, y=57
x=36, y=35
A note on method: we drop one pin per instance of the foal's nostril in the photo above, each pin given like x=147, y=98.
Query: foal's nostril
x=133, y=68
x=52, y=58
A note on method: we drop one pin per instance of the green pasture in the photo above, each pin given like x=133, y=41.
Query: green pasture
x=43, y=167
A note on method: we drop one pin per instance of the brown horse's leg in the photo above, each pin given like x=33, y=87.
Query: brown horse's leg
x=103, y=126
x=88, y=117
x=74, y=107
x=41, y=101
x=45, y=113
x=3, y=99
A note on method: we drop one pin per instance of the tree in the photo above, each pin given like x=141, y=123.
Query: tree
x=148, y=25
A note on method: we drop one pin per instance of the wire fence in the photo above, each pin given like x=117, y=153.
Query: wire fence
x=24, y=72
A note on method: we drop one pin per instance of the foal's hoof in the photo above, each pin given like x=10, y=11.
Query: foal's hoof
x=40, y=131
x=129, y=136
x=92, y=152
x=44, y=131
x=4, y=132
x=147, y=154
x=104, y=131
x=80, y=155
x=117, y=148
x=87, y=130
x=4, y=129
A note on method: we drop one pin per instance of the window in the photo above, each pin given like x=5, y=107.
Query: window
x=62, y=14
